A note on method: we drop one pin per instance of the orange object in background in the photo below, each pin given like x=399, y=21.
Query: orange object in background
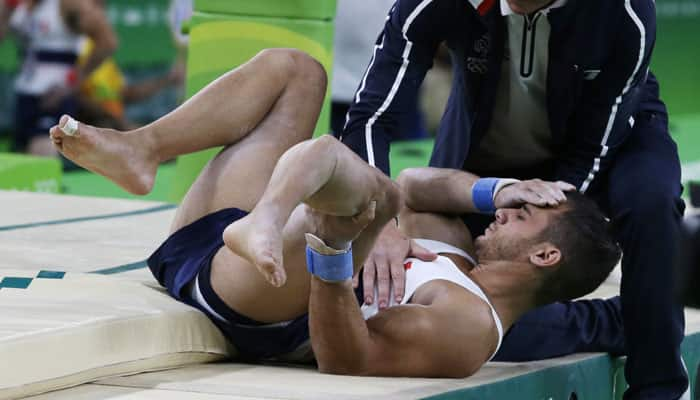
x=104, y=86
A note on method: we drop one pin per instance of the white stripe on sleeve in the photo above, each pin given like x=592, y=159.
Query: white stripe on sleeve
x=397, y=82
x=618, y=99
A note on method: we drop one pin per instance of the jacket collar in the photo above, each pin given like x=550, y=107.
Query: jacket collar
x=506, y=10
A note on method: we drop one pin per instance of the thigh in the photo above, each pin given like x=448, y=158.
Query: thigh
x=246, y=291
x=239, y=174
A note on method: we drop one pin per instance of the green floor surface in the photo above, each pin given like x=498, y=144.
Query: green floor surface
x=84, y=183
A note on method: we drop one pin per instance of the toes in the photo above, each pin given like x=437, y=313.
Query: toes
x=69, y=126
x=278, y=278
x=269, y=262
x=64, y=120
x=55, y=133
x=272, y=271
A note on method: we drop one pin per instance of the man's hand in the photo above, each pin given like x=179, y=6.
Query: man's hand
x=384, y=265
x=536, y=192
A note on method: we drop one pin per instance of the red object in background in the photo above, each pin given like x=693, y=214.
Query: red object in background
x=485, y=6
x=12, y=4
x=72, y=78
x=407, y=266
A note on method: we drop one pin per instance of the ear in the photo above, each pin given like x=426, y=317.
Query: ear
x=545, y=255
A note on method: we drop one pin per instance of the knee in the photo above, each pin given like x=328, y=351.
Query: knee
x=325, y=146
x=308, y=69
x=298, y=66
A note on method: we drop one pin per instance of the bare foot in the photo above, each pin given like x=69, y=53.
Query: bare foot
x=110, y=153
x=258, y=239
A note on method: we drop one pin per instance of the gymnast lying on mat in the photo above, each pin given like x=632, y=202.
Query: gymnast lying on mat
x=273, y=205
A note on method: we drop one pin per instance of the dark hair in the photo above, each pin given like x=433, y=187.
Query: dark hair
x=588, y=250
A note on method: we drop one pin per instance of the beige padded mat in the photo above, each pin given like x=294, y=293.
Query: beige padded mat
x=60, y=332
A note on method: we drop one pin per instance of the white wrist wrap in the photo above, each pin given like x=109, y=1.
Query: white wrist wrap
x=503, y=182
x=321, y=247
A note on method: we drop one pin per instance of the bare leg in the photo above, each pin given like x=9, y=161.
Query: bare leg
x=331, y=180
x=223, y=113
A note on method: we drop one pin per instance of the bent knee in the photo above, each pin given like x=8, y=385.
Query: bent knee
x=326, y=145
x=298, y=66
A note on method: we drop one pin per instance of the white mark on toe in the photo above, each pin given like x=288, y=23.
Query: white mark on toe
x=71, y=127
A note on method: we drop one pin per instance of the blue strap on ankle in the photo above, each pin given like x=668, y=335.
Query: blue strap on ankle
x=482, y=195
x=335, y=268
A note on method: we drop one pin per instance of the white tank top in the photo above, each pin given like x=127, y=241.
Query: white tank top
x=417, y=273
x=51, y=48
x=420, y=272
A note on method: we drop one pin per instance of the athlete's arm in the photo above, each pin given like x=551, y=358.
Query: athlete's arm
x=449, y=191
x=450, y=338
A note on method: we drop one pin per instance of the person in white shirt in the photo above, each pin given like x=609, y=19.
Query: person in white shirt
x=47, y=84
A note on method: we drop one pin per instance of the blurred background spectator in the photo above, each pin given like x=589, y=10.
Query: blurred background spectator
x=105, y=93
x=49, y=33
x=143, y=78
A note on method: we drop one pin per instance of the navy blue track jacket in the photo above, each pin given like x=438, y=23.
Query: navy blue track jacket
x=598, y=79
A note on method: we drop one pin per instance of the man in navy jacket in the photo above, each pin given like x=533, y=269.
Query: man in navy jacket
x=559, y=90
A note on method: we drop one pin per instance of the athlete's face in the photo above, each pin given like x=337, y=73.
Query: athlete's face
x=524, y=7
x=513, y=233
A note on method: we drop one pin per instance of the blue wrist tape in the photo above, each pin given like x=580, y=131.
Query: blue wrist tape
x=336, y=268
x=482, y=195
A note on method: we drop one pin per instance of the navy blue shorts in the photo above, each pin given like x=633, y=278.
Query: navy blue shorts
x=32, y=121
x=187, y=254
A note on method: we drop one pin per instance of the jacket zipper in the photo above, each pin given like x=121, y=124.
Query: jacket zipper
x=527, y=54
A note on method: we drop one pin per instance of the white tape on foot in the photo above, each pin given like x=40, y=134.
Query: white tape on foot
x=71, y=127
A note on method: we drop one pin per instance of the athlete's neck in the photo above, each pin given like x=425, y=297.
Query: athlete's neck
x=510, y=287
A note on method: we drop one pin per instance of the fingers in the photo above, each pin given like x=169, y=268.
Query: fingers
x=547, y=193
x=552, y=195
x=565, y=186
x=384, y=268
x=420, y=252
x=398, y=281
x=383, y=284
x=532, y=197
x=535, y=191
x=368, y=275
